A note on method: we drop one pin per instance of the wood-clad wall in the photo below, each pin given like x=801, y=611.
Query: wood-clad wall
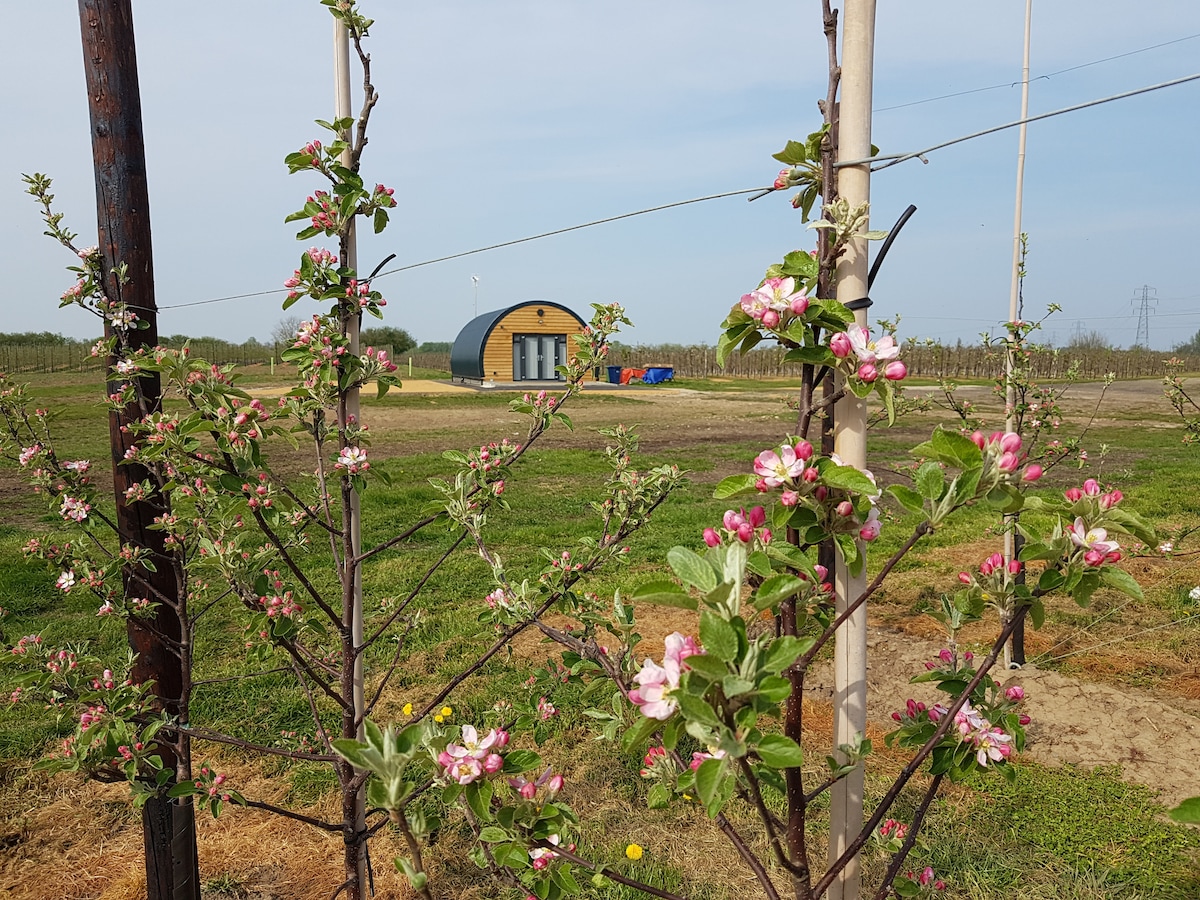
x=498, y=352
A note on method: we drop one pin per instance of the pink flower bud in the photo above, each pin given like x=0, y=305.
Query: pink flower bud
x=761, y=486
x=711, y=538
x=555, y=784
x=1092, y=488
x=895, y=371
x=979, y=440
x=1008, y=462
x=946, y=656
x=745, y=532
x=502, y=739
x=494, y=763
x=731, y=520
x=1010, y=442
x=1032, y=473
x=789, y=498
x=845, y=508
x=799, y=305
x=821, y=572
x=1016, y=693
x=867, y=372
x=766, y=536
x=1023, y=719
x=781, y=180
x=1073, y=494
x=964, y=577
x=528, y=790
x=840, y=345
x=804, y=450
x=1108, y=501
x=757, y=516
x=1094, y=558
x=821, y=492
x=770, y=318
x=1014, y=567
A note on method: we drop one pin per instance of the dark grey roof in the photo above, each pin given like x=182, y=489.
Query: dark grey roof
x=466, y=356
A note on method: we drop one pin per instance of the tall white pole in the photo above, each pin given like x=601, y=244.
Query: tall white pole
x=850, y=433
x=341, y=78
x=1010, y=394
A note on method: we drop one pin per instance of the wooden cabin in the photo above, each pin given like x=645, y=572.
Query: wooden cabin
x=524, y=342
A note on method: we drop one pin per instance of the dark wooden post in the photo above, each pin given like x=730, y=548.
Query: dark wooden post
x=123, y=221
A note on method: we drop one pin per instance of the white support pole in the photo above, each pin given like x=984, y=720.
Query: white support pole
x=341, y=77
x=850, y=651
x=1010, y=394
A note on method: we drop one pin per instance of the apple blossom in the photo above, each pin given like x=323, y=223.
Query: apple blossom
x=777, y=468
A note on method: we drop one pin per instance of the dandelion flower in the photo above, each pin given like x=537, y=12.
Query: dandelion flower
x=634, y=852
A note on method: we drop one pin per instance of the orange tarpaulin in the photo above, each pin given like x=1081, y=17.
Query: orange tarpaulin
x=627, y=374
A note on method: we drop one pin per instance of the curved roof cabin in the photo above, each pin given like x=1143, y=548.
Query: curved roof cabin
x=521, y=343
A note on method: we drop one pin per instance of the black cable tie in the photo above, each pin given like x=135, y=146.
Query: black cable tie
x=856, y=305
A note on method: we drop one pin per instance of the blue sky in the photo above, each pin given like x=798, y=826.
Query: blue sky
x=501, y=120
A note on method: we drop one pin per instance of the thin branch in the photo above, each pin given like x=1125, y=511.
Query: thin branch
x=915, y=763
x=216, y=737
x=289, y=814
x=910, y=839
x=747, y=855
x=241, y=677
x=612, y=874
x=411, y=594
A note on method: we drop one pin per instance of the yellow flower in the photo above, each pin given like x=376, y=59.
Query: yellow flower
x=407, y=709
x=439, y=719
x=634, y=852
x=446, y=711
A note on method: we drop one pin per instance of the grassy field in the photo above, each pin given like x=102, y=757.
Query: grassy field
x=1069, y=833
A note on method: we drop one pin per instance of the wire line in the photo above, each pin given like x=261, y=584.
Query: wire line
x=895, y=158
x=534, y=237
x=994, y=87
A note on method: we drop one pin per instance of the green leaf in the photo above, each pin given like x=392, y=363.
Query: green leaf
x=783, y=652
x=734, y=485
x=1037, y=613
x=493, y=834
x=780, y=752
x=793, y=154
x=708, y=666
x=518, y=761
x=695, y=709
x=708, y=778
x=951, y=448
x=352, y=751
x=908, y=498
x=658, y=796
x=846, y=477
x=718, y=636
x=1121, y=580
x=1188, y=811
x=930, y=480
x=776, y=589
x=663, y=593
x=692, y=568
x=736, y=685
x=636, y=736
x=800, y=263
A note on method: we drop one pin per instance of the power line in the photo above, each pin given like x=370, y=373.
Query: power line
x=524, y=240
x=994, y=87
x=893, y=159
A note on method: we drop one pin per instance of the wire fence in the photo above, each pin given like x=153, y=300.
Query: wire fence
x=699, y=361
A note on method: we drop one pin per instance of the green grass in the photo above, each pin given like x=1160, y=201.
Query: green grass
x=1061, y=833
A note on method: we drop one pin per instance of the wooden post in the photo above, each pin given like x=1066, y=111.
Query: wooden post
x=123, y=224
x=850, y=650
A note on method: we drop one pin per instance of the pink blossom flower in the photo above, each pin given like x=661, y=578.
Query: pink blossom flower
x=777, y=468
x=66, y=581
x=1093, y=540
x=353, y=460
x=871, y=527
x=655, y=682
x=74, y=509
x=869, y=351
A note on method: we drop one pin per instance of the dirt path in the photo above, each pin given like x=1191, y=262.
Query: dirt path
x=1154, y=741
